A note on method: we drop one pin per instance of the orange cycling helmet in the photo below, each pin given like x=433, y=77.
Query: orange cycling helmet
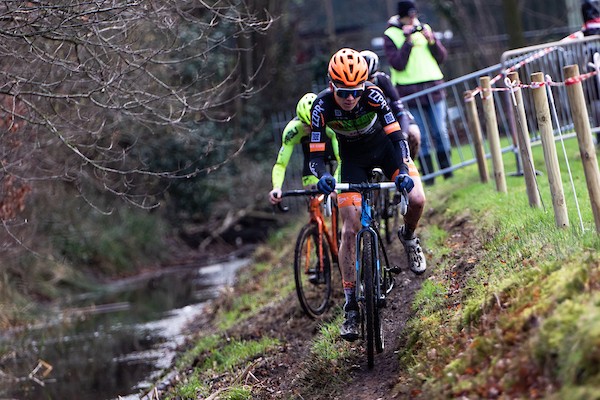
x=347, y=67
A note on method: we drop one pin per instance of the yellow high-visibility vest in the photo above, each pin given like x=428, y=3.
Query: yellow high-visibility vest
x=421, y=66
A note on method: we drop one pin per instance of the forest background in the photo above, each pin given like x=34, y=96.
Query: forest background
x=133, y=134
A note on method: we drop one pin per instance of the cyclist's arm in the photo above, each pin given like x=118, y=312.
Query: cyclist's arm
x=317, y=158
x=291, y=136
x=391, y=127
x=336, y=152
x=318, y=136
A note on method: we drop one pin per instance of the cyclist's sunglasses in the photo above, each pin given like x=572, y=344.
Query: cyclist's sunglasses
x=344, y=93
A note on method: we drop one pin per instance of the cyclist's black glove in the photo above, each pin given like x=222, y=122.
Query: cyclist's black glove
x=326, y=184
x=404, y=182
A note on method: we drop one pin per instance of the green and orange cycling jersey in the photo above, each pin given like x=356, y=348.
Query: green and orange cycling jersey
x=297, y=132
x=368, y=136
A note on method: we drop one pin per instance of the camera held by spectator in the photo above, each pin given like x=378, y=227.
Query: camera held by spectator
x=417, y=28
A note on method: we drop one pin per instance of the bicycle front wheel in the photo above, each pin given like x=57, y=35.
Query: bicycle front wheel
x=312, y=271
x=368, y=266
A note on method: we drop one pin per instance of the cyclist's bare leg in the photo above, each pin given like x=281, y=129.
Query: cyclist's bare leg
x=414, y=140
x=349, y=205
x=406, y=234
x=416, y=200
x=413, y=133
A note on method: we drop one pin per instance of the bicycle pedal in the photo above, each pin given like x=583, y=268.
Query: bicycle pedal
x=395, y=269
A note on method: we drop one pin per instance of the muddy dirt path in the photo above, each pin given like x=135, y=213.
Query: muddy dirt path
x=282, y=375
x=279, y=376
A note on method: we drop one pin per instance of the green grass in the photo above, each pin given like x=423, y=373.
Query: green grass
x=326, y=347
x=529, y=302
x=215, y=356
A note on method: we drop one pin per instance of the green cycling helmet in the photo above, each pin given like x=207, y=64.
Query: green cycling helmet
x=303, y=107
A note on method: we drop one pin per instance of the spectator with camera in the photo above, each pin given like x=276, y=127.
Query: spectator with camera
x=415, y=55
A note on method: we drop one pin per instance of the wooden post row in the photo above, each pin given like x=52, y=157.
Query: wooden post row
x=544, y=120
x=584, y=138
x=475, y=126
x=491, y=124
x=525, y=145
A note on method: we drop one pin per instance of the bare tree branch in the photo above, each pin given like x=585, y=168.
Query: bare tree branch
x=84, y=83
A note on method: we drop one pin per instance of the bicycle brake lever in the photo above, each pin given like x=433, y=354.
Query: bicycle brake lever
x=283, y=208
x=404, y=202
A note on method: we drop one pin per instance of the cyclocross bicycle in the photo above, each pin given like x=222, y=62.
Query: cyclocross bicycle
x=373, y=269
x=316, y=252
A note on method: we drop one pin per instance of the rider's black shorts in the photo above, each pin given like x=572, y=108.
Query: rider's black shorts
x=361, y=156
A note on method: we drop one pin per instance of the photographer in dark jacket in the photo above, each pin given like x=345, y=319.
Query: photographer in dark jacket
x=415, y=55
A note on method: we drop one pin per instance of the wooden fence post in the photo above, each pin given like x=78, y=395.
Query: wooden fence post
x=491, y=124
x=544, y=120
x=584, y=138
x=525, y=145
x=475, y=126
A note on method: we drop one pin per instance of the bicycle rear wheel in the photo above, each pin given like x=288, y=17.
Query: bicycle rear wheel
x=368, y=265
x=312, y=273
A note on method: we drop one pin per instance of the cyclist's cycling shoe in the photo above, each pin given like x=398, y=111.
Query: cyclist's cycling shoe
x=414, y=253
x=349, y=329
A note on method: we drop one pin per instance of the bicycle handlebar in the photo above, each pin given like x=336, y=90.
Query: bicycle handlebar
x=296, y=193
x=363, y=187
x=300, y=192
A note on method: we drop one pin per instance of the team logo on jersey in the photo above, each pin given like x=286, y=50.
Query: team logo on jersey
x=291, y=135
x=315, y=137
x=377, y=96
x=337, y=113
x=389, y=118
x=315, y=117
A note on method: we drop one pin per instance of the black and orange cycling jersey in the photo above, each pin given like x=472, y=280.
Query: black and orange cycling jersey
x=369, y=136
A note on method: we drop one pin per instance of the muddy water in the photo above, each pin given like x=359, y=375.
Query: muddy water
x=112, y=344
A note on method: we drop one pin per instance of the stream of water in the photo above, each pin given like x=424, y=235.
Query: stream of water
x=113, y=344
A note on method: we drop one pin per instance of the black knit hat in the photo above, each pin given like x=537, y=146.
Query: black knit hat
x=590, y=9
x=406, y=8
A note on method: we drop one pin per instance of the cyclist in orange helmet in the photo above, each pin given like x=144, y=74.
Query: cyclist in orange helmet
x=368, y=136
